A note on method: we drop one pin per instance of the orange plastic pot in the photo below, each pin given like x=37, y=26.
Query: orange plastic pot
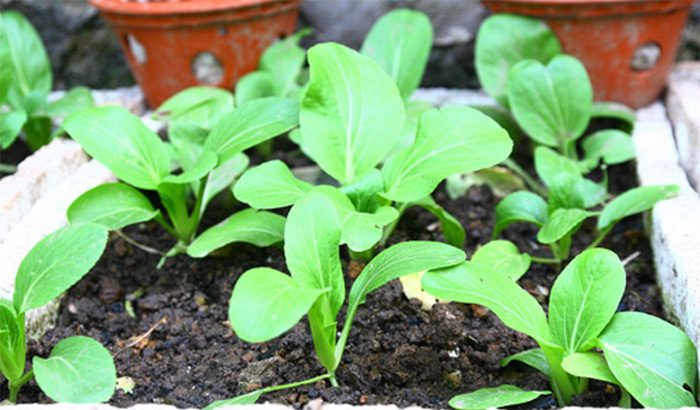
x=172, y=45
x=627, y=46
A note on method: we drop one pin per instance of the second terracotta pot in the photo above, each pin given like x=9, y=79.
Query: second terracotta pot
x=173, y=45
x=627, y=46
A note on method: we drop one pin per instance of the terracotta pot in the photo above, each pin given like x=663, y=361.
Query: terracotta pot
x=172, y=45
x=627, y=46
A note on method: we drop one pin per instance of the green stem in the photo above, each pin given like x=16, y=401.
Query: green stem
x=300, y=383
x=363, y=256
x=14, y=386
x=534, y=185
x=137, y=244
x=195, y=215
x=162, y=222
x=389, y=229
x=175, y=250
x=549, y=261
x=7, y=168
x=601, y=235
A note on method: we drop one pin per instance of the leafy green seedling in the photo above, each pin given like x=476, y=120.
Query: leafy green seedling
x=352, y=125
x=584, y=338
x=25, y=83
x=266, y=303
x=141, y=160
x=79, y=369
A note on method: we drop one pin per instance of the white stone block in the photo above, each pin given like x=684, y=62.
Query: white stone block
x=683, y=103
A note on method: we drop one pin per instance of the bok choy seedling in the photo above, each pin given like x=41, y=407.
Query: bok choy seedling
x=266, y=303
x=79, y=369
x=585, y=337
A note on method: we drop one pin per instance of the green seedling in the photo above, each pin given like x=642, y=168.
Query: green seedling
x=266, y=303
x=79, y=369
x=584, y=337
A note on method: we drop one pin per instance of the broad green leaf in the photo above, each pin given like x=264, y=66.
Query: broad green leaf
x=57, y=262
x=521, y=206
x=655, y=361
x=502, y=257
x=561, y=223
x=37, y=131
x=414, y=109
x=250, y=226
x=400, y=41
x=248, y=398
x=534, y=358
x=250, y=124
x=634, y=201
x=549, y=165
x=11, y=124
x=112, y=205
x=199, y=106
x=450, y=140
x=504, y=40
x=270, y=185
x=266, y=303
x=584, y=298
x=590, y=365
x=351, y=114
x=552, y=103
x=610, y=146
x=311, y=247
x=362, y=230
x=617, y=111
x=566, y=191
x=452, y=229
x=30, y=66
x=284, y=61
x=491, y=397
x=255, y=85
x=202, y=166
x=78, y=98
x=79, y=370
x=121, y=142
x=12, y=343
x=470, y=283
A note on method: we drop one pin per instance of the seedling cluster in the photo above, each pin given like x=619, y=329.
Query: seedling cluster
x=352, y=115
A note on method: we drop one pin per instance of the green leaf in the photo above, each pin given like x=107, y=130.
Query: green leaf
x=196, y=106
x=270, y=185
x=501, y=180
x=57, y=262
x=121, y=142
x=37, y=131
x=584, y=298
x=11, y=124
x=248, y=398
x=566, y=191
x=221, y=177
x=652, y=359
x=470, y=283
x=284, y=61
x=502, y=257
x=255, y=85
x=30, y=66
x=617, y=111
x=250, y=226
x=561, y=223
x=521, y=206
x=112, y=205
x=491, y=397
x=400, y=41
x=77, y=99
x=551, y=103
x=364, y=191
x=266, y=303
x=549, y=165
x=634, y=201
x=351, y=114
x=79, y=370
x=12, y=342
x=452, y=229
x=504, y=40
x=610, y=146
x=449, y=141
x=250, y=124
x=361, y=230
x=589, y=365
x=200, y=168
x=534, y=358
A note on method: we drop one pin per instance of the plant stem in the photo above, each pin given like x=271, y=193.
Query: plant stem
x=137, y=244
x=300, y=383
x=14, y=386
x=534, y=185
x=549, y=261
x=601, y=235
x=162, y=222
x=175, y=250
x=7, y=168
x=389, y=229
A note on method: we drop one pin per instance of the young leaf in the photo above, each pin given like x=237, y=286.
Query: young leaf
x=470, y=283
x=270, y=185
x=590, y=365
x=361, y=230
x=284, y=61
x=250, y=226
x=256, y=85
x=551, y=103
x=452, y=229
x=549, y=165
x=534, y=358
x=11, y=124
x=400, y=41
x=364, y=191
x=634, y=201
x=248, y=398
x=492, y=397
x=450, y=140
x=121, y=142
x=502, y=257
x=521, y=206
x=112, y=205
x=12, y=342
x=610, y=146
x=655, y=361
x=584, y=298
x=222, y=177
x=504, y=40
x=266, y=303
x=198, y=106
x=351, y=114
x=251, y=124
x=37, y=131
x=57, y=262
x=617, y=111
x=77, y=99
x=79, y=370
x=561, y=223
x=206, y=162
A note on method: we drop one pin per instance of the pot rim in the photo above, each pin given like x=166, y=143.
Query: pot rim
x=170, y=7
x=586, y=8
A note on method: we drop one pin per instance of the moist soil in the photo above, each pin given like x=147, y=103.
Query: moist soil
x=168, y=328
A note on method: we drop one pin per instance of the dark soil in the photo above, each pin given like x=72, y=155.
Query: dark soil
x=397, y=353
x=15, y=154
